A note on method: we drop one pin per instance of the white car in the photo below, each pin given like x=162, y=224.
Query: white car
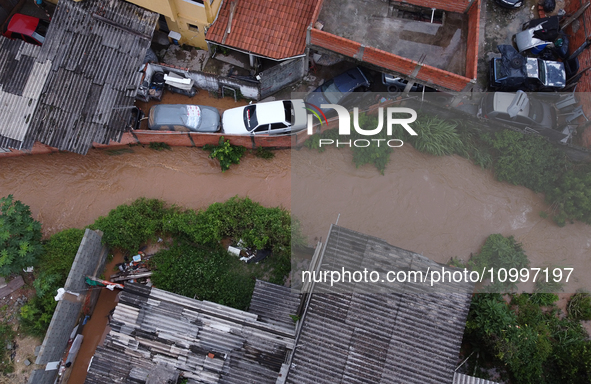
x=279, y=117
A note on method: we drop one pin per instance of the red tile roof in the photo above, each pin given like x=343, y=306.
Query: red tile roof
x=272, y=28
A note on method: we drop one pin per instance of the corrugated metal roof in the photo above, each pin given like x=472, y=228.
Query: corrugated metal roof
x=87, y=67
x=21, y=82
x=274, y=304
x=152, y=327
x=404, y=335
x=460, y=378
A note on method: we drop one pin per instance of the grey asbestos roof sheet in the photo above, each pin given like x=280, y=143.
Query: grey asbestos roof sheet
x=274, y=304
x=151, y=327
x=84, y=77
x=404, y=335
x=460, y=378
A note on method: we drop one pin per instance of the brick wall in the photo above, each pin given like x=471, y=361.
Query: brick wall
x=473, y=40
x=388, y=60
x=459, y=6
x=576, y=31
x=334, y=43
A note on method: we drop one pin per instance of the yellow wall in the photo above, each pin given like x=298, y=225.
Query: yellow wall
x=180, y=13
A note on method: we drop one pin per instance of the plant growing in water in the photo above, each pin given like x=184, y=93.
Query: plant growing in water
x=226, y=153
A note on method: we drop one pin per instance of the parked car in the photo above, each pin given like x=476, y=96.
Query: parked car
x=397, y=84
x=28, y=28
x=183, y=118
x=274, y=118
x=514, y=72
x=517, y=109
x=511, y=4
x=340, y=90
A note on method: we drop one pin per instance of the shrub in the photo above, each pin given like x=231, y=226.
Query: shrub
x=127, y=227
x=239, y=219
x=226, y=153
x=526, y=160
x=579, y=306
x=436, y=136
x=571, y=197
x=160, y=146
x=499, y=252
x=264, y=153
x=204, y=274
x=20, y=237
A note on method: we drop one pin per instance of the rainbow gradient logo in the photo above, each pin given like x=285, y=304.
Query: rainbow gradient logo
x=315, y=111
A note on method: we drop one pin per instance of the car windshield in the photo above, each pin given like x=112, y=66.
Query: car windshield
x=498, y=70
x=250, y=117
x=331, y=92
x=536, y=110
x=289, y=112
x=542, y=71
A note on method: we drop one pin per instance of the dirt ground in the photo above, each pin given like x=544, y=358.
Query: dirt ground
x=23, y=346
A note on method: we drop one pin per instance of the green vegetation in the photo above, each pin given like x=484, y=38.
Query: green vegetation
x=499, y=252
x=264, y=153
x=127, y=227
x=239, y=219
x=160, y=146
x=20, y=237
x=205, y=274
x=527, y=340
x=436, y=136
x=579, y=306
x=526, y=160
x=6, y=336
x=226, y=153
x=54, y=265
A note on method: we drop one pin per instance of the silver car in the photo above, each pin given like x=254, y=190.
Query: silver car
x=517, y=109
x=184, y=118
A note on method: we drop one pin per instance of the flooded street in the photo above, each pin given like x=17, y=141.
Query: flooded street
x=67, y=190
x=438, y=206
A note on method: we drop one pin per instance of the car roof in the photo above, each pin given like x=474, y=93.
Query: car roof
x=347, y=81
x=270, y=112
x=24, y=24
x=502, y=101
x=177, y=114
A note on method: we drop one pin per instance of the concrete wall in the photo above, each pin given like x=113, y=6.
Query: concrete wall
x=459, y=6
x=90, y=260
x=211, y=82
x=277, y=77
x=473, y=40
x=425, y=73
x=180, y=13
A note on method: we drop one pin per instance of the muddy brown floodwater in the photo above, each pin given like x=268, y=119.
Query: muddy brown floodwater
x=438, y=206
x=68, y=190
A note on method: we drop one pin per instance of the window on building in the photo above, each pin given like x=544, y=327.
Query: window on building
x=193, y=27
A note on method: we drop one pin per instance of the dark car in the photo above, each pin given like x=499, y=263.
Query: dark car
x=28, y=28
x=514, y=72
x=340, y=90
x=517, y=109
x=511, y=4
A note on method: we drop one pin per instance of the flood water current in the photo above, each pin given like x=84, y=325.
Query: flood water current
x=440, y=207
